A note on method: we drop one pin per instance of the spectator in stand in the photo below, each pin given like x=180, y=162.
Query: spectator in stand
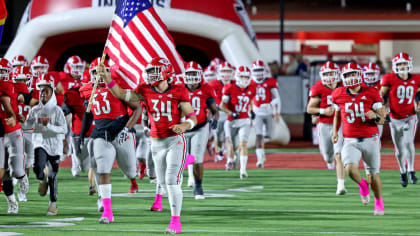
x=302, y=68
x=274, y=69
x=293, y=65
x=381, y=66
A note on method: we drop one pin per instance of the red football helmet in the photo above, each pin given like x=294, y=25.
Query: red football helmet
x=75, y=66
x=209, y=73
x=158, y=69
x=371, y=73
x=45, y=79
x=5, y=69
x=39, y=66
x=216, y=62
x=19, y=60
x=193, y=73
x=243, y=76
x=351, y=74
x=329, y=72
x=258, y=71
x=23, y=73
x=92, y=70
x=225, y=72
x=401, y=58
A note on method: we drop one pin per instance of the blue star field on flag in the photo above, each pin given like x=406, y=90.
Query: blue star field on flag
x=127, y=9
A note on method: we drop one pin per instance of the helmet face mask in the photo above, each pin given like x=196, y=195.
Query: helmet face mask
x=93, y=73
x=4, y=74
x=192, y=77
x=258, y=74
x=403, y=67
x=352, y=79
x=243, y=77
x=402, y=63
x=329, y=77
x=371, y=77
x=226, y=75
x=153, y=75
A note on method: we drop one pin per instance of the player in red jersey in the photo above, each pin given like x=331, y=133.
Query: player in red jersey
x=166, y=104
x=265, y=101
x=403, y=88
x=320, y=104
x=113, y=135
x=202, y=98
x=225, y=73
x=22, y=83
x=360, y=110
x=237, y=103
x=19, y=60
x=13, y=142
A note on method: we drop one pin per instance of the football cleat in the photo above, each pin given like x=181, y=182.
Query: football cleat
x=133, y=189
x=413, y=177
x=153, y=181
x=43, y=187
x=243, y=174
x=218, y=158
x=199, y=194
x=92, y=190
x=52, y=211
x=24, y=185
x=13, y=207
x=157, y=206
x=173, y=228
x=229, y=166
x=378, y=212
x=365, y=199
x=331, y=166
x=404, y=180
x=21, y=197
x=341, y=191
x=142, y=172
x=100, y=205
x=106, y=218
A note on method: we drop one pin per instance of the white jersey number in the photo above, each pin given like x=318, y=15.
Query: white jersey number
x=405, y=93
x=23, y=108
x=260, y=94
x=358, y=110
x=195, y=102
x=329, y=100
x=105, y=108
x=163, y=111
x=243, y=104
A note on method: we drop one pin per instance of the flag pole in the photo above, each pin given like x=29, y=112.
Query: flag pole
x=95, y=84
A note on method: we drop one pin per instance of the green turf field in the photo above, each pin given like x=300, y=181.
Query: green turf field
x=269, y=202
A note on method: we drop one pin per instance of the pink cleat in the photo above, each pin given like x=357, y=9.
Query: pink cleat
x=174, y=226
x=364, y=191
x=189, y=160
x=379, y=207
x=157, y=205
x=106, y=218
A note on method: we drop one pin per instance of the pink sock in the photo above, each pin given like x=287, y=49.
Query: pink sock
x=364, y=187
x=157, y=205
x=107, y=204
x=379, y=204
x=158, y=198
x=190, y=159
x=175, y=219
x=175, y=224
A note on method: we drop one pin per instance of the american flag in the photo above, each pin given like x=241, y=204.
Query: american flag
x=137, y=35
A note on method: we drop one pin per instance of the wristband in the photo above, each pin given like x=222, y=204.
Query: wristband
x=127, y=95
x=378, y=118
x=191, y=114
x=112, y=84
x=192, y=124
x=321, y=111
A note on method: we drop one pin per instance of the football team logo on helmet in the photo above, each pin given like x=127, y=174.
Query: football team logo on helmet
x=19, y=60
x=402, y=63
x=5, y=69
x=371, y=73
x=351, y=75
x=329, y=72
x=193, y=73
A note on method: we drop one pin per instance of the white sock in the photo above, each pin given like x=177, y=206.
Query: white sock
x=105, y=190
x=260, y=154
x=190, y=171
x=340, y=183
x=175, y=199
x=161, y=189
x=244, y=161
x=229, y=160
x=11, y=198
x=96, y=175
x=53, y=204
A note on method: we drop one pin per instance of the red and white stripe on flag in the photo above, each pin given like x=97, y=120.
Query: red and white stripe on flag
x=132, y=45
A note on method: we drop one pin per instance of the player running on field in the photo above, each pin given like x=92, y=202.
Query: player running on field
x=360, y=110
x=320, y=104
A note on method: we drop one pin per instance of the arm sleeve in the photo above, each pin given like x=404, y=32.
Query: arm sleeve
x=27, y=97
x=210, y=101
x=86, y=123
x=67, y=109
x=276, y=102
x=59, y=126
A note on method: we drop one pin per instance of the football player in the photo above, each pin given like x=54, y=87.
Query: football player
x=225, y=73
x=202, y=98
x=265, y=101
x=402, y=88
x=19, y=60
x=49, y=127
x=113, y=135
x=13, y=141
x=320, y=104
x=166, y=104
x=359, y=110
x=237, y=103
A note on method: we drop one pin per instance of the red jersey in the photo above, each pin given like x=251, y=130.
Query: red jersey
x=199, y=100
x=353, y=111
x=376, y=85
x=23, y=109
x=8, y=89
x=401, y=94
x=218, y=89
x=106, y=106
x=264, y=91
x=69, y=82
x=239, y=99
x=163, y=108
x=85, y=92
x=323, y=92
x=178, y=80
x=72, y=98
